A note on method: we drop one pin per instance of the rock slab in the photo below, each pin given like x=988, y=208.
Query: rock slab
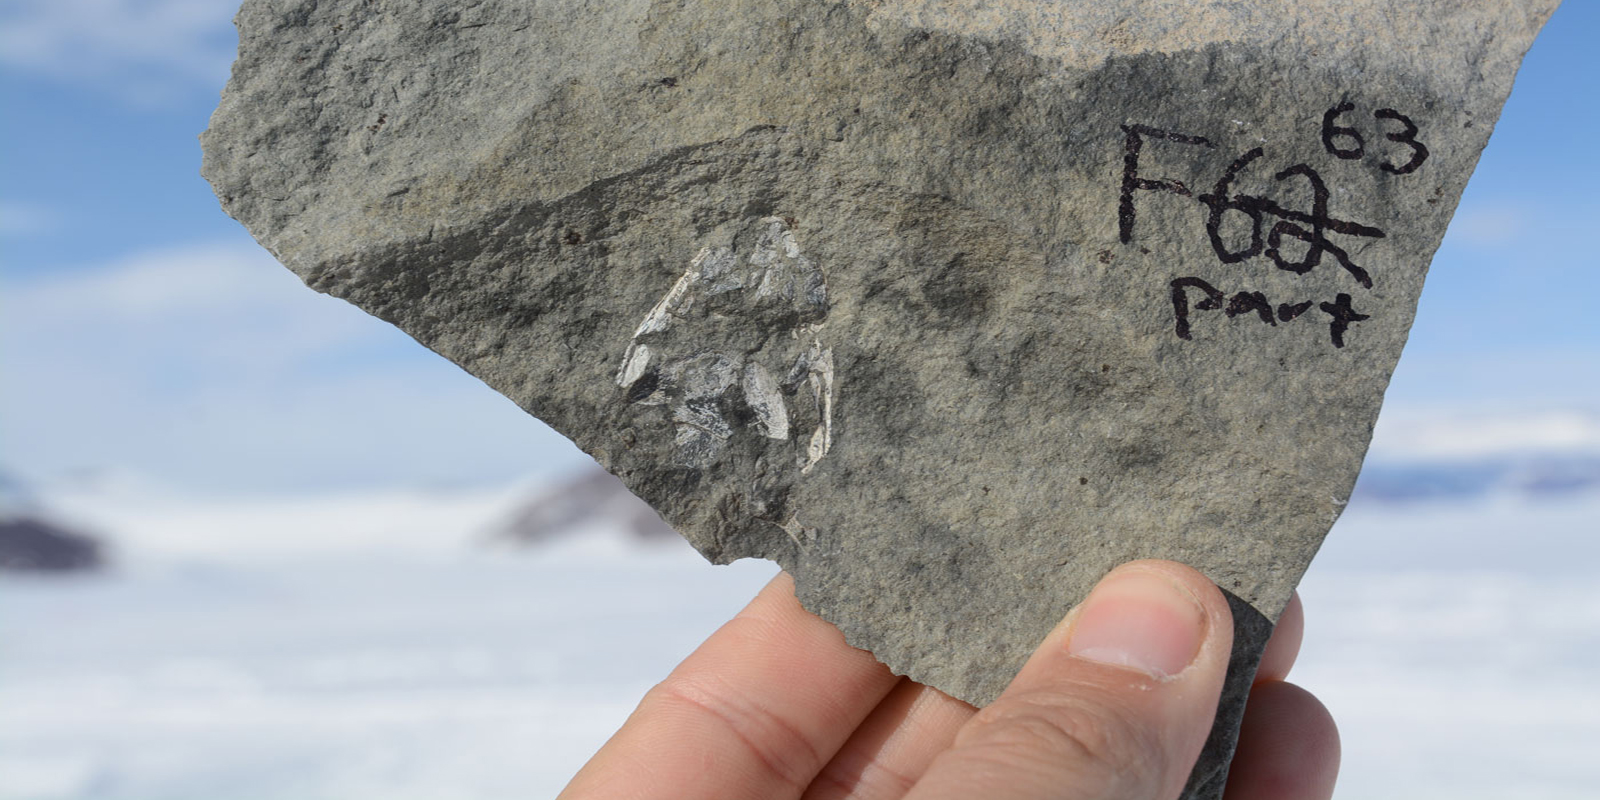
x=948, y=308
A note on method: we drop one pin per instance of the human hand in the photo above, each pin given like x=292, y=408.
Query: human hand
x=1114, y=705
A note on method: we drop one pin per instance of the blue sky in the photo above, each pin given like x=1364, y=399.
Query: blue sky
x=141, y=330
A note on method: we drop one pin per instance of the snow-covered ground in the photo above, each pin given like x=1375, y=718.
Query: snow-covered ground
x=375, y=647
x=1459, y=649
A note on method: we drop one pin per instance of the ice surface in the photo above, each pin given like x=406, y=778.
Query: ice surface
x=287, y=650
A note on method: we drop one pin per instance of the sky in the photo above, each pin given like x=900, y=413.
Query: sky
x=143, y=333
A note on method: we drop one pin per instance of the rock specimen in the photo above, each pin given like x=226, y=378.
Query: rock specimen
x=946, y=307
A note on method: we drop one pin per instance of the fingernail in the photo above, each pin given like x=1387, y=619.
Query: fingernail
x=1142, y=620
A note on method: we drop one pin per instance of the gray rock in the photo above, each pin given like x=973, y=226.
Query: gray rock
x=947, y=308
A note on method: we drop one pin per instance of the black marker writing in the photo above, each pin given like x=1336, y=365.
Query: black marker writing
x=1342, y=315
x=1133, y=143
x=1309, y=227
x=1333, y=133
x=1340, y=312
x=1408, y=136
x=1272, y=226
x=1290, y=223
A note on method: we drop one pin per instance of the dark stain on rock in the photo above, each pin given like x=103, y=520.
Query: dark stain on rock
x=959, y=290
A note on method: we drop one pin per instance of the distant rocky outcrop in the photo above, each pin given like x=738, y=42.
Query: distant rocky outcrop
x=1533, y=477
x=30, y=544
x=595, y=498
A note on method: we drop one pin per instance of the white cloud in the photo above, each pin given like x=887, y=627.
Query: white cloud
x=1438, y=435
x=144, y=48
x=212, y=366
x=214, y=305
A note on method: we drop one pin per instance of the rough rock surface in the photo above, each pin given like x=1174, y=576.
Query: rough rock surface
x=946, y=307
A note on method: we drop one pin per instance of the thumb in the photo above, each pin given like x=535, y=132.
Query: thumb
x=1114, y=705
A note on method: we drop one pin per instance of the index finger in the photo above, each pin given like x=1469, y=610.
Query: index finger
x=1284, y=645
x=756, y=711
